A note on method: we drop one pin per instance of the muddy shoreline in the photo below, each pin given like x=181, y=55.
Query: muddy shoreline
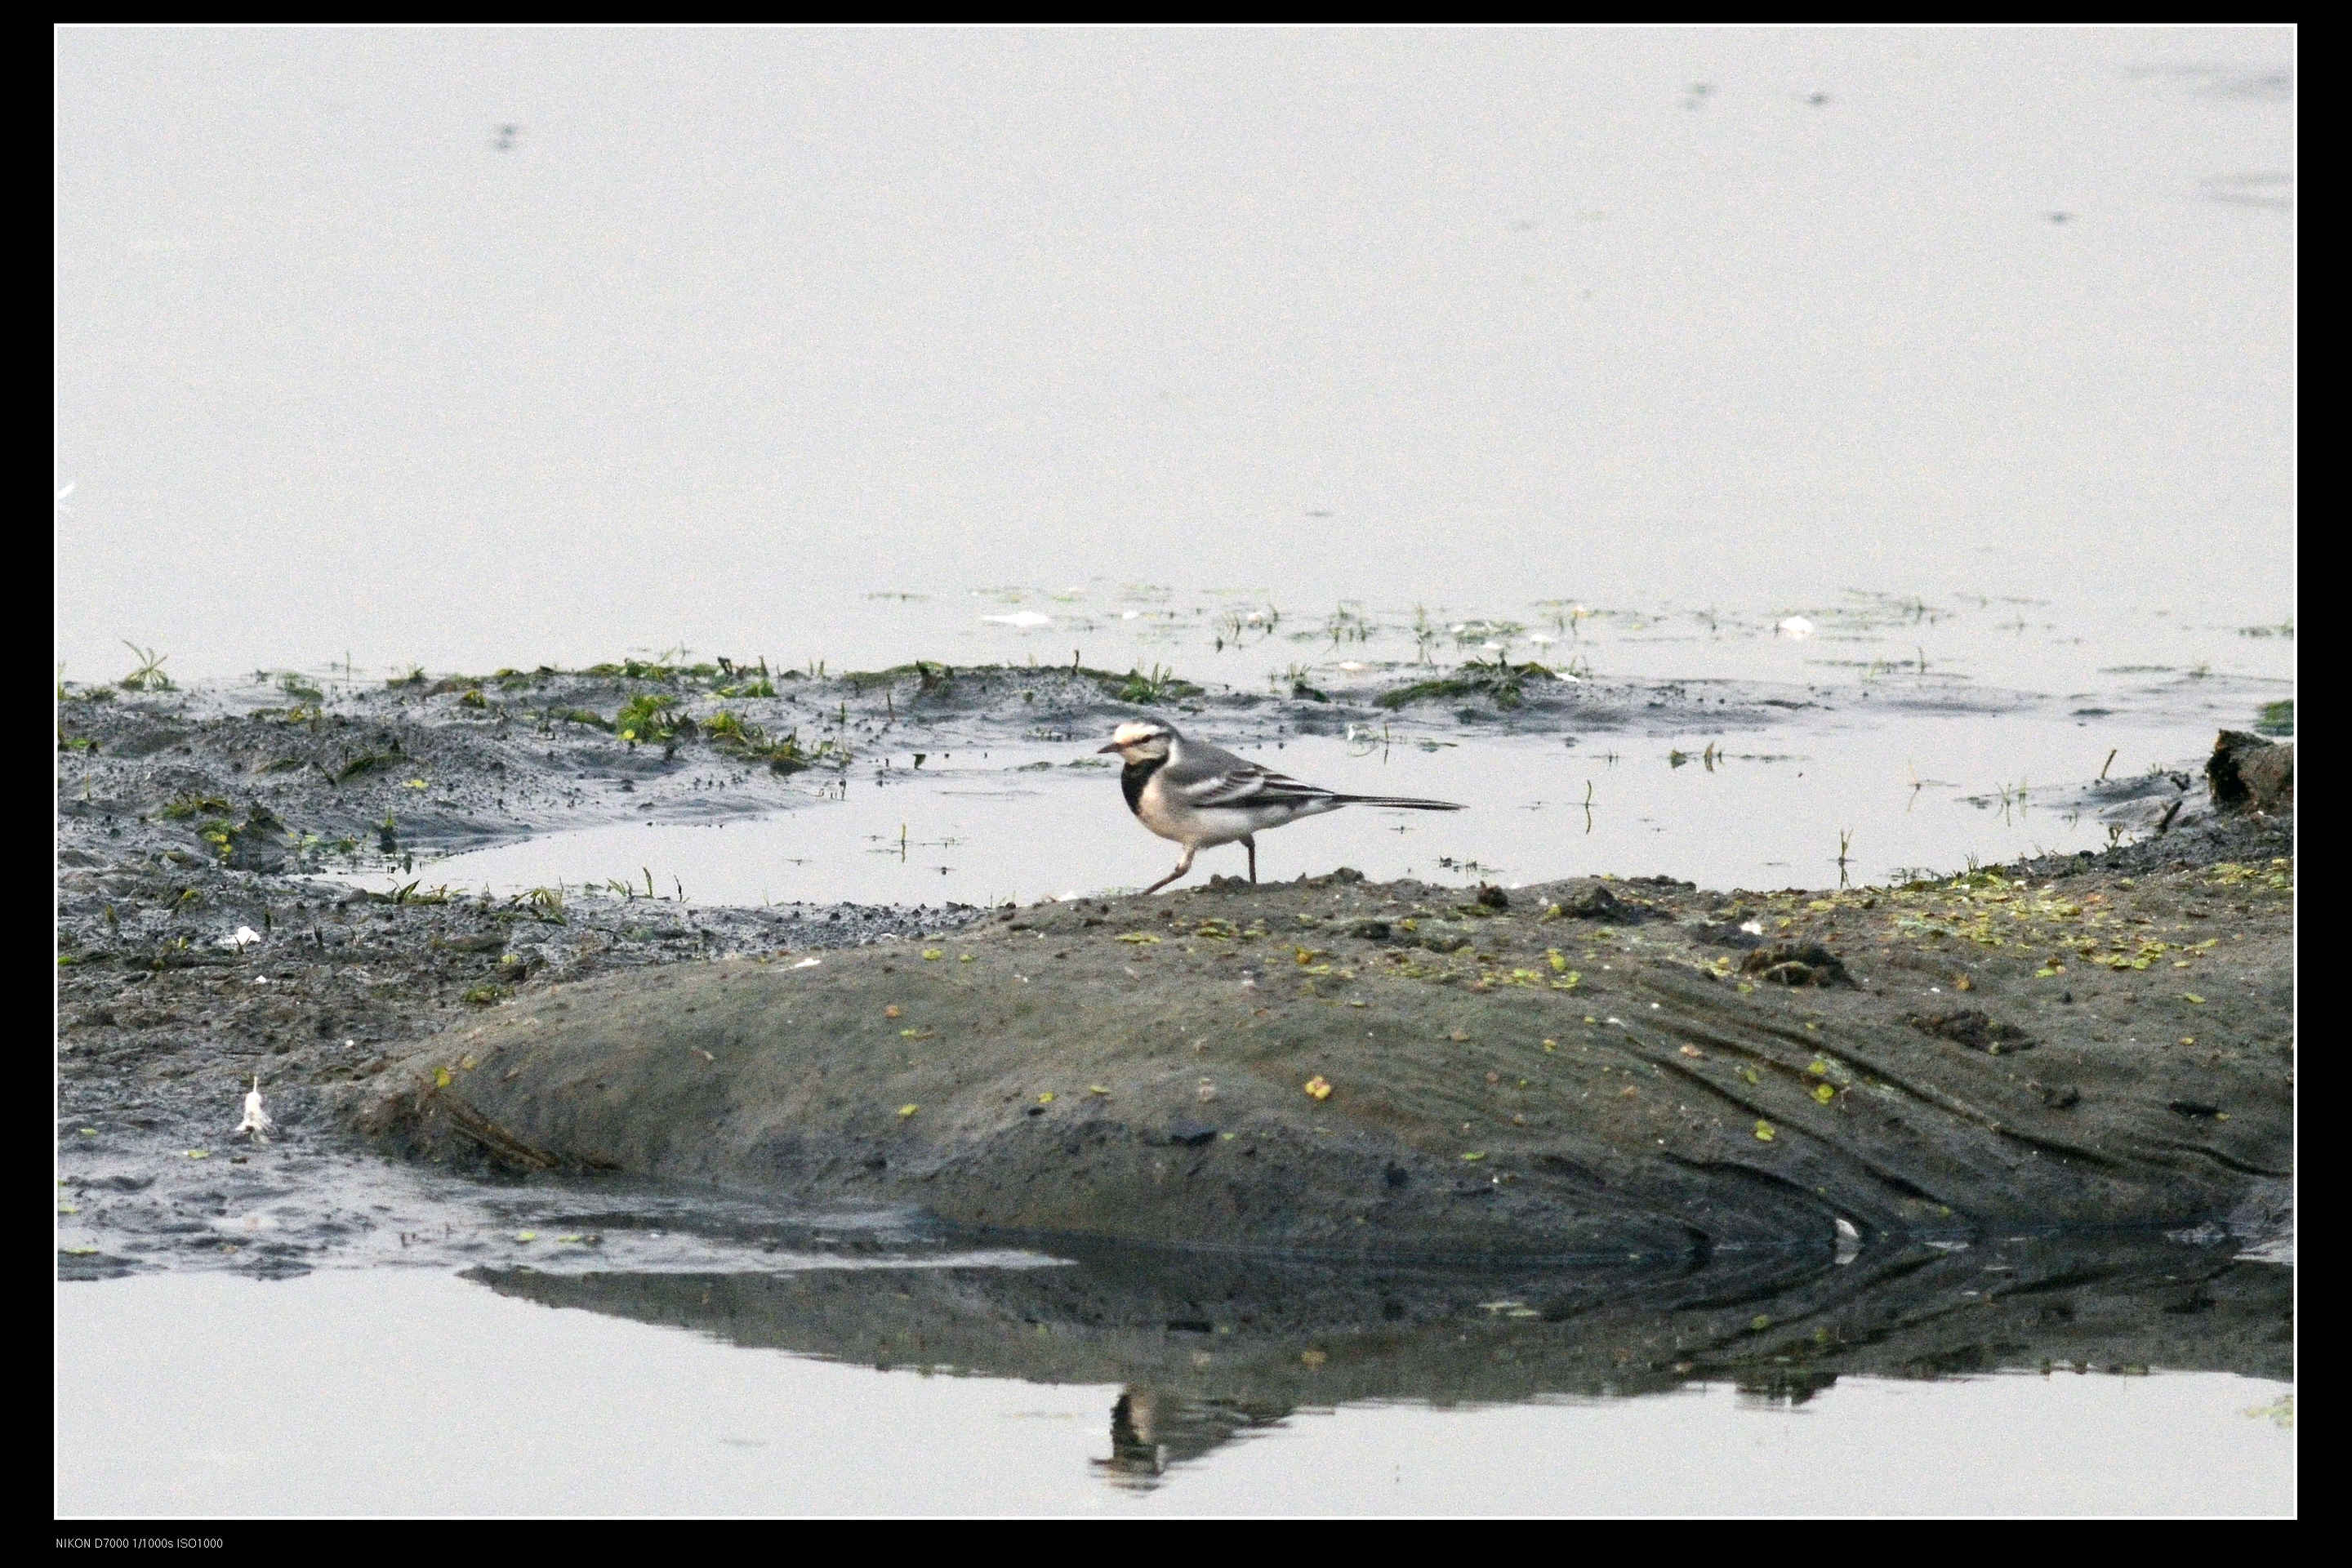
x=184, y=818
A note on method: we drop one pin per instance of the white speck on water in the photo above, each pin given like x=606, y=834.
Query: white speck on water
x=243, y=938
x=1024, y=619
x=808, y=964
x=1795, y=627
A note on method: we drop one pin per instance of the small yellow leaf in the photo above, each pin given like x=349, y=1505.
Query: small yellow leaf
x=1818, y=1067
x=1138, y=937
x=1046, y=1098
x=418, y=783
x=1319, y=1087
x=963, y=958
x=1097, y=1089
x=907, y=1109
x=1312, y=1358
x=2192, y=996
x=441, y=1078
x=200, y=1153
x=1764, y=1132
x=526, y=1235
x=1474, y=1156
x=1824, y=1093
x=932, y=954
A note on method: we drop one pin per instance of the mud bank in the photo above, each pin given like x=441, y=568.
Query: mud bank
x=1583, y=1068
x=198, y=949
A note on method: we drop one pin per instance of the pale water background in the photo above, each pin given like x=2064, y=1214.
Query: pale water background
x=1164, y=347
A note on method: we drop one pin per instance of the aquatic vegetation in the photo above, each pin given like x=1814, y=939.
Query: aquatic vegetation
x=651, y=717
x=1501, y=681
x=1157, y=685
x=149, y=675
x=739, y=737
x=2276, y=719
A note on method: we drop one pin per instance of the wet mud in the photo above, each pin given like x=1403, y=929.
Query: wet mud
x=2007, y=1048
x=1330, y=1065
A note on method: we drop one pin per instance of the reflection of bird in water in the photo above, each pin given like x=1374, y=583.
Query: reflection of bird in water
x=1135, y=1452
x=1151, y=1429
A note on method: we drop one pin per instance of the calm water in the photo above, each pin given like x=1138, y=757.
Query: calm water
x=407, y=1392
x=732, y=329
x=1257, y=355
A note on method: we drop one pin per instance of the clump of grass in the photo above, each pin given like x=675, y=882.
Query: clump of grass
x=545, y=904
x=1502, y=682
x=1157, y=685
x=651, y=717
x=486, y=994
x=149, y=675
x=1348, y=624
x=365, y=762
x=739, y=737
x=188, y=805
x=587, y=716
x=927, y=676
x=415, y=677
x=2276, y=718
x=474, y=699
x=294, y=686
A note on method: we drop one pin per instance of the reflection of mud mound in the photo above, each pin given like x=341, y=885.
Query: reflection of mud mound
x=1211, y=1346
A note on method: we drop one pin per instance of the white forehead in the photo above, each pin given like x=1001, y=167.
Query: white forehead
x=1129, y=733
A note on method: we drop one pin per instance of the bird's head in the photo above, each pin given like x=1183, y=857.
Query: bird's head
x=1141, y=743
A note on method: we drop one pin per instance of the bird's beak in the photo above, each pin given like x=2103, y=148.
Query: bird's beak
x=1112, y=747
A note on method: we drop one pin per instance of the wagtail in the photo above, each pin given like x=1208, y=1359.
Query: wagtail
x=1200, y=795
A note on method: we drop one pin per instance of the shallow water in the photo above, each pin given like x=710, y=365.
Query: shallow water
x=1906, y=791
x=508, y=346
x=413, y=1392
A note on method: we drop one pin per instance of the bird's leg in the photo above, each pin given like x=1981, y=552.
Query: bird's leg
x=1249, y=842
x=1181, y=866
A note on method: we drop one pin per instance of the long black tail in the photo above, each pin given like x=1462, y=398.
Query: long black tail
x=1405, y=801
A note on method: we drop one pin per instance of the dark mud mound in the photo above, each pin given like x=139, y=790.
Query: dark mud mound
x=1390, y=1071
x=1209, y=1345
